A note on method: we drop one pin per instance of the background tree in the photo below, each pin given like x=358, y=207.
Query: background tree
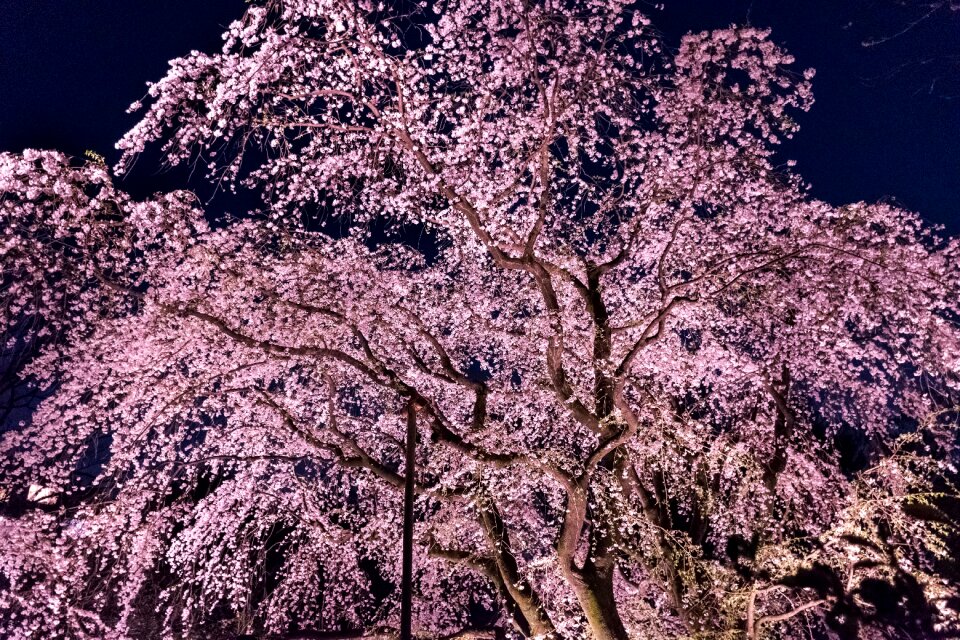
x=937, y=71
x=923, y=10
x=659, y=392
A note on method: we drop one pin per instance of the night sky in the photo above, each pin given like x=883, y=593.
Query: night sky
x=886, y=124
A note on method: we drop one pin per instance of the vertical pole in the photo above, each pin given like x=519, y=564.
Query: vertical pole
x=406, y=581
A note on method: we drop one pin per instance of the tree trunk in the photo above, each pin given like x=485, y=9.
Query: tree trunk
x=598, y=606
x=597, y=597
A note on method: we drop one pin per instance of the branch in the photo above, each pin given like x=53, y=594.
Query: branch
x=282, y=350
x=515, y=585
x=789, y=614
x=469, y=633
x=488, y=566
x=652, y=332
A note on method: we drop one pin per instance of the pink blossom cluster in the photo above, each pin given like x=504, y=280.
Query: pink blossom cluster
x=631, y=351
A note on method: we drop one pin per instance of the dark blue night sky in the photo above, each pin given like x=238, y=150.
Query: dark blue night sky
x=886, y=123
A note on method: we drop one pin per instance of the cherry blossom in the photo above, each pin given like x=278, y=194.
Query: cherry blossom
x=631, y=343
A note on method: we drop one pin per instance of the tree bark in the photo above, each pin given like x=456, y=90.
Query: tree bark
x=594, y=591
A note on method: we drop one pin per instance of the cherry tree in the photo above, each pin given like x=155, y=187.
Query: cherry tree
x=636, y=355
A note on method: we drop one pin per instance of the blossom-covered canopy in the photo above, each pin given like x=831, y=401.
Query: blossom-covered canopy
x=631, y=342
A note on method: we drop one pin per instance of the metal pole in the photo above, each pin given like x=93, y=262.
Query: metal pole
x=406, y=581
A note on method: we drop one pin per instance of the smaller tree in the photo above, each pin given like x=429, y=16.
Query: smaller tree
x=918, y=33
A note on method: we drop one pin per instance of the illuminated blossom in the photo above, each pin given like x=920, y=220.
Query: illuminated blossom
x=632, y=341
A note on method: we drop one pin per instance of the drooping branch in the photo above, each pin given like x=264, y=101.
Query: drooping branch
x=516, y=585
